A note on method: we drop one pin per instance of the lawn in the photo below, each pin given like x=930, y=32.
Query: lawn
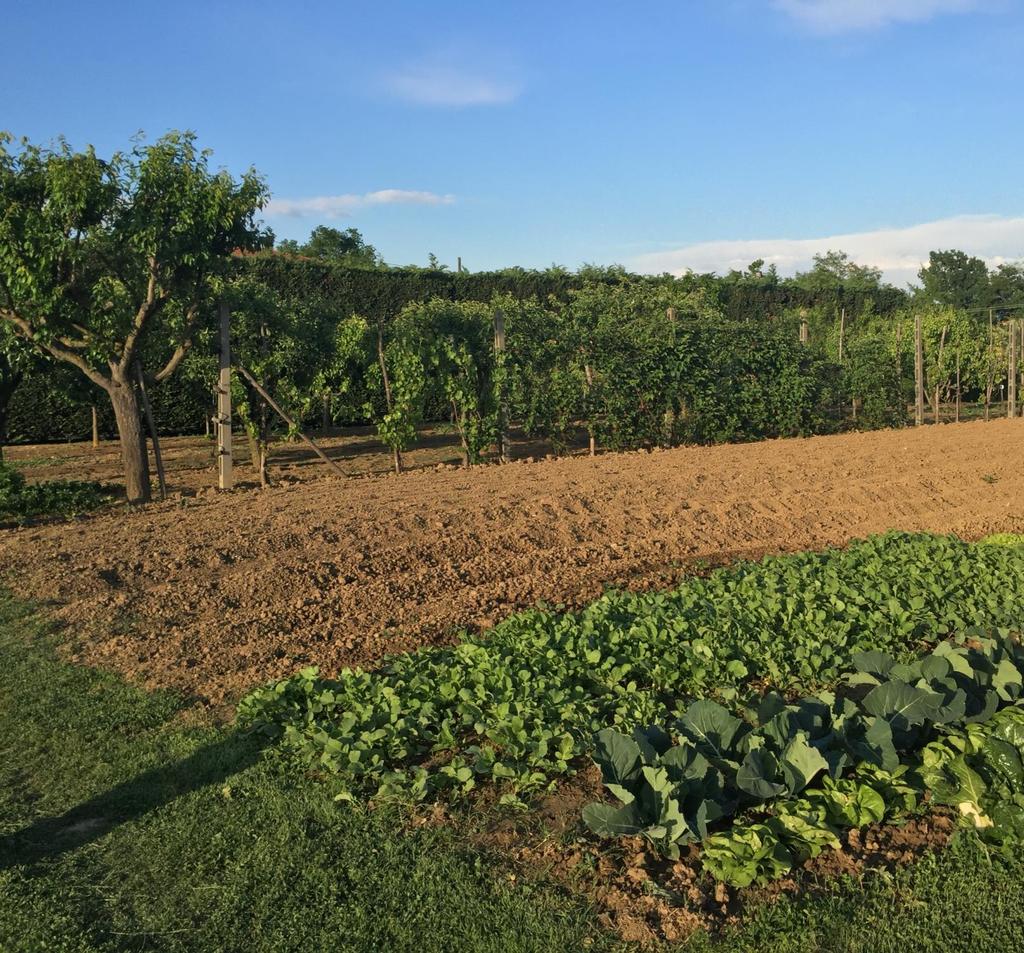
x=128, y=823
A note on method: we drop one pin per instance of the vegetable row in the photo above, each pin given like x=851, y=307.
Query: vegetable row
x=519, y=705
x=788, y=778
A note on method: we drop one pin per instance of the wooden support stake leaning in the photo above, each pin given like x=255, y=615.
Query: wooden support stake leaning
x=151, y=424
x=95, y=429
x=499, y=362
x=288, y=420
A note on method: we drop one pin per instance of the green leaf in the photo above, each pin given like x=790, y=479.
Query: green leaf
x=758, y=775
x=711, y=728
x=619, y=758
x=800, y=763
x=1007, y=680
x=900, y=704
x=1005, y=759
x=873, y=663
x=607, y=820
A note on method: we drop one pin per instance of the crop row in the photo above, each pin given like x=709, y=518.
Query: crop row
x=795, y=774
x=521, y=703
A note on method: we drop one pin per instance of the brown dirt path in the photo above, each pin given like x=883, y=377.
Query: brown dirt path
x=215, y=594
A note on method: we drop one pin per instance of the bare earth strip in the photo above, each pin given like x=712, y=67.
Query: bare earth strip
x=213, y=595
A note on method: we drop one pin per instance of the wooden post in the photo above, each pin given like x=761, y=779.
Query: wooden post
x=938, y=371
x=151, y=424
x=805, y=333
x=225, y=469
x=589, y=372
x=673, y=317
x=957, y=418
x=259, y=388
x=499, y=363
x=842, y=332
x=1011, y=376
x=918, y=372
x=989, y=370
x=95, y=429
x=387, y=385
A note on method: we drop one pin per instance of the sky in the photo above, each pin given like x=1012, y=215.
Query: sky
x=658, y=135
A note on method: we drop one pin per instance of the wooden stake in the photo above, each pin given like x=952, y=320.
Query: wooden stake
x=499, y=361
x=1011, y=376
x=989, y=370
x=258, y=387
x=957, y=418
x=225, y=468
x=387, y=385
x=589, y=372
x=918, y=372
x=95, y=429
x=938, y=370
x=148, y=411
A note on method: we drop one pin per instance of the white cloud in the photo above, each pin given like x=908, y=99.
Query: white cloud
x=340, y=206
x=839, y=16
x=898, y=252
x=441, y=84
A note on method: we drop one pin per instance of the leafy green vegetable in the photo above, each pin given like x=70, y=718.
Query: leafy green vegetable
x=745, y=856
x=20, y=500
x=520, y=703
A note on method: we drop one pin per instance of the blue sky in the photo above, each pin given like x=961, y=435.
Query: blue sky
x=660, y=135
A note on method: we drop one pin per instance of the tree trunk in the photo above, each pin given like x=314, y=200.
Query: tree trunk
x=125, y=402
x=9, y=381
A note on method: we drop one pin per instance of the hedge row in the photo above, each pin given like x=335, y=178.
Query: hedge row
x=54, y=404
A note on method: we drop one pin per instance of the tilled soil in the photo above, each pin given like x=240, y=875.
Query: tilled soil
x=214, y=594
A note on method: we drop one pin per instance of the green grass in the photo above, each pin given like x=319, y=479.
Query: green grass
x=124, y=828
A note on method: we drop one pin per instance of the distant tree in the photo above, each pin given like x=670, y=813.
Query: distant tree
x=755, y=273
x=111, y=265
x=953, y=279
x=334, y=245
x=834, y=269
x=1006, y=286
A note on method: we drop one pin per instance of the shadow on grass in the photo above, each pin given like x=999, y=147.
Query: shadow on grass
x=49, y=838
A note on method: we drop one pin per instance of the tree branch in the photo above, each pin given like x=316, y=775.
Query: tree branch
x=191, y=320
x=149, y=307
x=24, y=329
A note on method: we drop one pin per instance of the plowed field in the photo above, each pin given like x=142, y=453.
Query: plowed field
x=214, y=594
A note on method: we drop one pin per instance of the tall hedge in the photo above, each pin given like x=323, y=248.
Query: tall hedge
x=53, y=404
